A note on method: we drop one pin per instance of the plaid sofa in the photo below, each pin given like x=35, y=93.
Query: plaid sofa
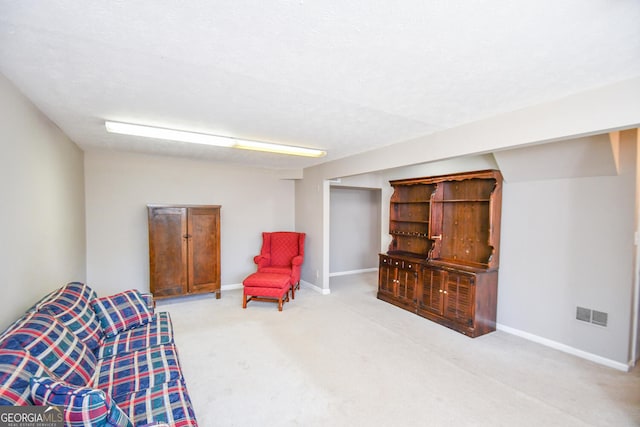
x=133, y=370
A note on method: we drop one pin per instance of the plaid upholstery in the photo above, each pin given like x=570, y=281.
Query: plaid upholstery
x=83, y=406
x=121, y=312
x=13, y=326
x=45, y=299
x=56, y=347
x=50, y=296
x=138, y=369
x=157, y=332
x=165, y=403
x=71, y=306
x=149, y=301
x=37, y=306
x=129, y=372
x=17, y=367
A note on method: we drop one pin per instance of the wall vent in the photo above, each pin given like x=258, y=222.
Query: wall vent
x=583, y=314
x=599, y=318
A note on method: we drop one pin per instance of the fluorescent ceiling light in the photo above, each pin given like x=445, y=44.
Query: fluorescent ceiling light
x=207, y=139
x=168, y=134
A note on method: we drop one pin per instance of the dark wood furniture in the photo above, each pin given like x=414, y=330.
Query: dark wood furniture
x=184, y=250
x=443, y=260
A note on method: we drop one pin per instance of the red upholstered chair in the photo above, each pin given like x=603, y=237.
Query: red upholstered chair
x=282, y=253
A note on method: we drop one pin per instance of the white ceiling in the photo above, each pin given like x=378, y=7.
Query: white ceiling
x=343, y=76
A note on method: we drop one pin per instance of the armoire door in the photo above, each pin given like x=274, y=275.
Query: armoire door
x=168, y=251
x=203, y=237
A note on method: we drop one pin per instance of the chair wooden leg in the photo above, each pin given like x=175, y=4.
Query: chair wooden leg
x=244, y=301
x=293, y=292
x=280, y=303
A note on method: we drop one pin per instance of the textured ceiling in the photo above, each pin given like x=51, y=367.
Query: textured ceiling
x=343, y=76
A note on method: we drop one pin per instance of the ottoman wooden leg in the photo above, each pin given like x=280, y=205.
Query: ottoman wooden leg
x=280, y=304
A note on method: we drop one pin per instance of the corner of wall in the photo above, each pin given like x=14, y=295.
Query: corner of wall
x=614, y=138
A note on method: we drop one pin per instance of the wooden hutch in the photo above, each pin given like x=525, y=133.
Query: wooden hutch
x=442, y=262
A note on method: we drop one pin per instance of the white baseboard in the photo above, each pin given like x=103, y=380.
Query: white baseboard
x=345, y=273
x=309, y=285
x=315, y=288
x=566, y=349
x=231, y=287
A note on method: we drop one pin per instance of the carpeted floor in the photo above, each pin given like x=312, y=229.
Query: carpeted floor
x=348, y=359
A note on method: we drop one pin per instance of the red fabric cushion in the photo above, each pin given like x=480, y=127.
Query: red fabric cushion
x=265, y=292
x=277, y=270
x=267, y=280
x=284, y=246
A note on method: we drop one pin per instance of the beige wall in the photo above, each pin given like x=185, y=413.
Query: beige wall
x=584, y=227
x=312, y=217
x=120, y=185
x=354, y=229
x=568, y=243
x=43, y=222
x=42, y=227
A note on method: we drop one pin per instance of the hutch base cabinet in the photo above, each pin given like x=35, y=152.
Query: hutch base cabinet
x=461, y=300
x=442, y=263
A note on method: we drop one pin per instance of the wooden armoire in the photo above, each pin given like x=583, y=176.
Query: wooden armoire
x=443, y=259
x=184, y=250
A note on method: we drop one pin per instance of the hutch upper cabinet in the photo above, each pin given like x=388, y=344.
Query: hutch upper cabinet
x=443, y=259
x=184, y=250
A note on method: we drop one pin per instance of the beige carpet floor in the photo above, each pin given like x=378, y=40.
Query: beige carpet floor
x=349, y=359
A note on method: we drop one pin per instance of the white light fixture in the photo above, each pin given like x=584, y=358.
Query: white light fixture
x=208, y=139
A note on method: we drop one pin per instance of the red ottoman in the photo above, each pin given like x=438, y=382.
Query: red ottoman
x=270, y=287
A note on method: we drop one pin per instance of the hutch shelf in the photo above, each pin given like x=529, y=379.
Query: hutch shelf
x=442, y=262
